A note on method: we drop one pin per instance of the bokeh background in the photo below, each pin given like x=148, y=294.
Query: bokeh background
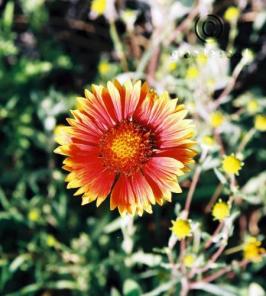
x=49, y=52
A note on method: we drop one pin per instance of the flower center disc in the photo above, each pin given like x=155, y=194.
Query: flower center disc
x=126, y=147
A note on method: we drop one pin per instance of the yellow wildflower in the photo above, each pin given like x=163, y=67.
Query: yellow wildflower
x=216, y=119
x=231, y=164
x=34, y=215
x=189, y=260
x=252, y=106
x=260, y=123
x=208, y=141
x=221, y=210
x=51, y=241
x=104, y=68
x=192, y=72
x=231, y=14
x=172, y=66
x=202, y=58
x=98, y=6
x=181, y=228
x=252, y=250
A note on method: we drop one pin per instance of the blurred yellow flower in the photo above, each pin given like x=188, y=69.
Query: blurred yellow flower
x=208, y=141
x=192, y=72
x=51, y=241
x=260, y=123
x=172, y=66
x=202, y=58
x=232, y=165
x=216, y=119
x=189, y=260
x=252, y=250
x=181, y=228
x=252, y=106
x=34, y=215
x=104, y=67
x=221, y=210
x=231, y=14
x=98, y=6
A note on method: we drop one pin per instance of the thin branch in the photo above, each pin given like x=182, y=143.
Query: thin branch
x=214, y=197
x=217, y=274
x=192, y=190
x=217, y=230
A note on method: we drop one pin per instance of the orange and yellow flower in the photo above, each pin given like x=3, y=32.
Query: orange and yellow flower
x=129, y=143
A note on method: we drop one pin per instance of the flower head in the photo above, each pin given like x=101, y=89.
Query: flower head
x=181, y=228
x=192, y=72
x=172, y=66
x=221, y=210
x=216, y=119
x=252, y=250
x=129, y=143
x=51, y=240
x=232, y=165
x=189, y=260
x=252, y=106
x=202, y=58
x=231, y=14
x=34, y=215
x=208, y=141
x=260, y=123
x=98, y=6
x=104, y=67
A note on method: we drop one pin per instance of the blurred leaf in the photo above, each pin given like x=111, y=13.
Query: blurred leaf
x=140, y=257
x=256, y=289
x=8, y=16
x=215, y=289
x=220, y=176
x=162, y=288
x=255, y=189
x=115, y=292
x=18, y=261
x=131, y=288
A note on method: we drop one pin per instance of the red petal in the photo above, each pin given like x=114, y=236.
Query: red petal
x=122, y=195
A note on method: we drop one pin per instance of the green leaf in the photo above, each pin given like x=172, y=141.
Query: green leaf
x=220, y=176
x=115, y=292
x=214, y=289
x=18, y=261
x=162, y=288
x=8, y=16
x=256, y=289
x=131, y=288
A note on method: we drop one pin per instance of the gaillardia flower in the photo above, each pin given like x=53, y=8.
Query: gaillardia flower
x=126, y=142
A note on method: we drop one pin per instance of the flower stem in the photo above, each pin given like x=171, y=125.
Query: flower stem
x=118, y=46
x=192, y=190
